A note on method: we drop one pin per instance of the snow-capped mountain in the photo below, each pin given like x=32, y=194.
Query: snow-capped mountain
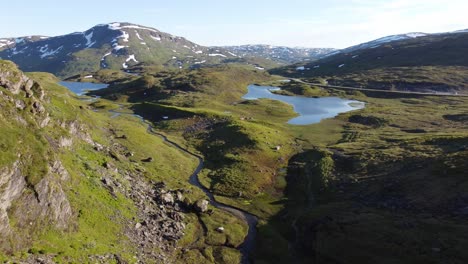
x=113, y=46
x=279, y=53
x=380, y=41
x=405, y=50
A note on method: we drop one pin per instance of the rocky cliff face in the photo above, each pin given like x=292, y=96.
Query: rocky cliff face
x=29, y=202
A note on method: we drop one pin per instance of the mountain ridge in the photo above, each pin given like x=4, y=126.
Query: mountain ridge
x=435, y=62
x=120, y=45
x=112, y=46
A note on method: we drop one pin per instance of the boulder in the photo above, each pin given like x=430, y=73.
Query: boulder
x=201, y=205
x=149, y=159
x=167, y=198
x=180, y=196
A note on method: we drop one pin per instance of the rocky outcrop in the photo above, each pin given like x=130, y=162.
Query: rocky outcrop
x=26, y=95
x=15, y=81
x=30, y=206
x=12, y=185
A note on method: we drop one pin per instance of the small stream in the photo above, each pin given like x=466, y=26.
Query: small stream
x=249, y=241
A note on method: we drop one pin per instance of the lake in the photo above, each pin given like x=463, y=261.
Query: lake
x=80, y=88
x=310, y=110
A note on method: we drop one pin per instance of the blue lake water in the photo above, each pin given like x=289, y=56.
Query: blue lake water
x=310, y=110
x=81, y=88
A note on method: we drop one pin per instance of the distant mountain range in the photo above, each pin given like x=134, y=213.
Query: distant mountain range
x=113, y=46
x=122, y=45
x=280, y=53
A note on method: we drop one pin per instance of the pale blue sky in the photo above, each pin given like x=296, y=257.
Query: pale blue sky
x=308, y=23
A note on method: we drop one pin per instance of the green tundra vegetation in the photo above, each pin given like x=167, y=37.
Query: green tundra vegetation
x=383, y=184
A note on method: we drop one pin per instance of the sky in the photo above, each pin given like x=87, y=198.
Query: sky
x=295, y=23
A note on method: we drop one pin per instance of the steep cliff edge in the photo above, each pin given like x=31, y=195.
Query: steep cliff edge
x=30, y=187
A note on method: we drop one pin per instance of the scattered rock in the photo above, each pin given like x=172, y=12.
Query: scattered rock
x=167, y=198
x=20, y=104
x=180, y=196
x=149, y=159
x=98, y=147
x=38, y=107
x=201, y=206
x=220, y=229
x=65, y=142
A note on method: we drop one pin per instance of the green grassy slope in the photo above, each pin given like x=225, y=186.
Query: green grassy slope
x=101, y=217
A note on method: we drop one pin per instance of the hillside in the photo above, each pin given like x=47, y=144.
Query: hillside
x=418, y=62
x=107, y=46
x=80, y=184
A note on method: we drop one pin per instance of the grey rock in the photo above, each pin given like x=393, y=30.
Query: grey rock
x=20, y=104
x=201, y=206
x=167, y=198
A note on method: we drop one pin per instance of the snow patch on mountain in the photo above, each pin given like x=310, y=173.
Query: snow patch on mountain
x=89, y=42
x=15, y=52
x=118, y=47
x=114, y=26
x=131, y=57
x=138, y=35
x=125, y=36
x=47, y=53
x=155, y=38
x=217, y=54
x=105, y=55
x=118, y=26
